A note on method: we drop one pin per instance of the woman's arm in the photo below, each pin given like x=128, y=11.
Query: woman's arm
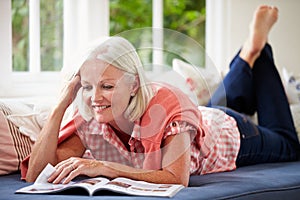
x=45, y=149
x=175, y=165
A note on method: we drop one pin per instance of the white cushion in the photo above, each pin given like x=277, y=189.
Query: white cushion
x=202, y=81
x=295, y=109
x=291, y=83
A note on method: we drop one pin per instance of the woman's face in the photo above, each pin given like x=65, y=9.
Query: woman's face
x=106, y=90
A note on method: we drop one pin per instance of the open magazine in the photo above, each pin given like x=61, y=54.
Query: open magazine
x=99, y=186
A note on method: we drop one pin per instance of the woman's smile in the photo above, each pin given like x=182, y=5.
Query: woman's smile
x=100, y=108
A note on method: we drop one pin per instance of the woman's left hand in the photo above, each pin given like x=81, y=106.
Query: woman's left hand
x=72, y=167
x=69, y=91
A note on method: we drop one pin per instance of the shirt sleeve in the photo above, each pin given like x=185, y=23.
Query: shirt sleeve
x=176, y=127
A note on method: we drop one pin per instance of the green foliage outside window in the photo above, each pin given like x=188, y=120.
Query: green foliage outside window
x=20, y=21
x=51, y=34
x=51, y=20
x=185, y=16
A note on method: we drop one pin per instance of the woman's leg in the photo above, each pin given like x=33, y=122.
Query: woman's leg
x=261, y=90
x=273, y=110
x=237, y=90
x=275, y=138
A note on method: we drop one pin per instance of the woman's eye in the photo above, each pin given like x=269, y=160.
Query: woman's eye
x=86, y=87
x=107, y=87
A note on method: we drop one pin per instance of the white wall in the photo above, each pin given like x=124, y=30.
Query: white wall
x=227, y=28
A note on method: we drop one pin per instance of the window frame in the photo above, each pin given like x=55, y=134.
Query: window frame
x=78, y=30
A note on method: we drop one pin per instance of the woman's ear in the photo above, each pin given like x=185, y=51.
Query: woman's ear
x=136, y=85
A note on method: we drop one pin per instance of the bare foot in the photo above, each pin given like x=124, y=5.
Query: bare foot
x=263, y=20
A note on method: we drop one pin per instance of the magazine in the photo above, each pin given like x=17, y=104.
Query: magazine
x=99, y=186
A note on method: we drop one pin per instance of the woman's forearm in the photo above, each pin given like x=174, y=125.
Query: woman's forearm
x=114, y=170
x=176, y=172
x=44, y=149
x=175, y=164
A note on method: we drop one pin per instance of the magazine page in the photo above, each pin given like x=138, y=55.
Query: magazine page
x=141, y=188
x=45, y=174
x=41, y=185
x=86, y=186
x=43, y=188
x=90, y=184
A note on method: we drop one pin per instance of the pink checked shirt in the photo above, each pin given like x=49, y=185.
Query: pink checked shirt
x=214, y=148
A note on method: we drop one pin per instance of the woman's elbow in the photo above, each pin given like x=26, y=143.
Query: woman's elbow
x=30, y=177
x=184, y=182
x=181, y=179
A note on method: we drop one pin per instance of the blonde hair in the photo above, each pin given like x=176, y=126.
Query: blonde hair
x=120, y=53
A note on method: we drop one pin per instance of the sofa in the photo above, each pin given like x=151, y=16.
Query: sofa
x=263, y=181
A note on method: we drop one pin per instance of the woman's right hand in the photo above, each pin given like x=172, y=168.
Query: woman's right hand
x=69, y=92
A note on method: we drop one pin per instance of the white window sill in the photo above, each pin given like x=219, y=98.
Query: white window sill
x=46, y=84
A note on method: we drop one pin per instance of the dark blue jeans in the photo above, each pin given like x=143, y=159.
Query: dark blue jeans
x=245, y=91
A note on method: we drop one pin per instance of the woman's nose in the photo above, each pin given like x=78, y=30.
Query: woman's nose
x=97, y=94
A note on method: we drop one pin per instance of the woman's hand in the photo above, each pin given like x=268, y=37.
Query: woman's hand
x=72, y=167
x=69, y=92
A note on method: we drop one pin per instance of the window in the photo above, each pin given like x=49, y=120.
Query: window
x=39, y=36
x=45, y=38
x=20, y=34
x=184, y=16
x=51, y=29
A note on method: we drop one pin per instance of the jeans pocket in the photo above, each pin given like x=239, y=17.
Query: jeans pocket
x=246, y=127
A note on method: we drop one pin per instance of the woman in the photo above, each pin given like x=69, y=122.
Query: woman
x=153, y=132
